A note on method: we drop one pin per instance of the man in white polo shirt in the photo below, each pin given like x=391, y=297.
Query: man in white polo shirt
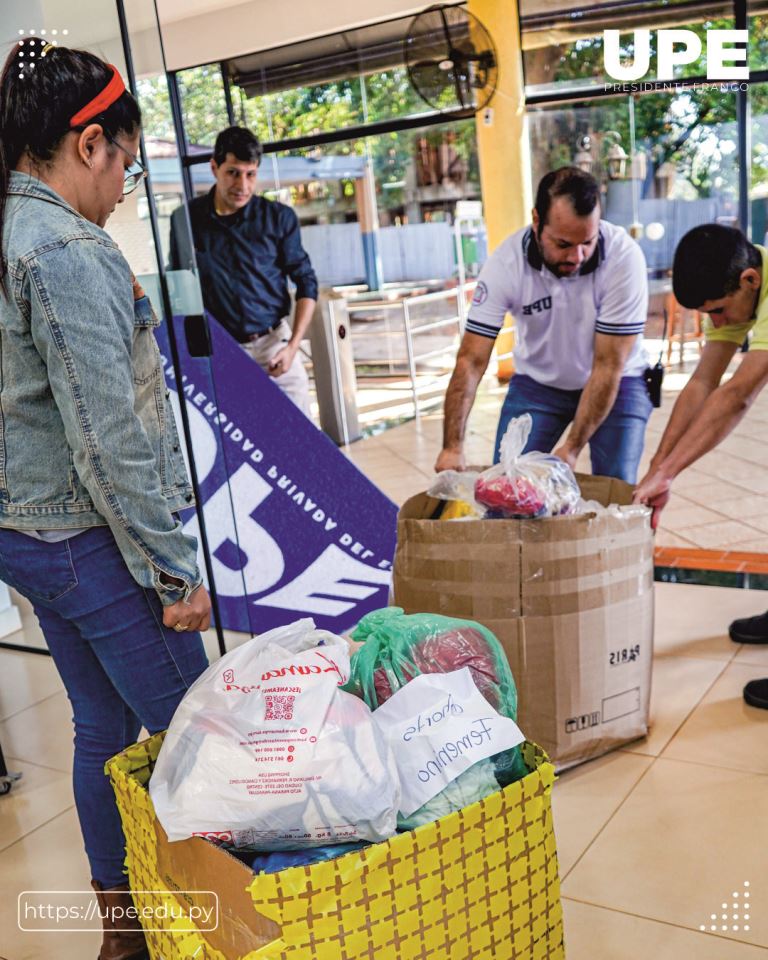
x=577, y=287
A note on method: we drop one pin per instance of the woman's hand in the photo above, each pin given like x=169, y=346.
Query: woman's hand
x=138, y=290
x=189, y=615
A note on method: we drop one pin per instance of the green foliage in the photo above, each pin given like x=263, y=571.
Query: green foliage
x=695, y=130
x=305, y=111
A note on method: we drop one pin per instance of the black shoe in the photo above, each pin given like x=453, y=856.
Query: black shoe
x=756, y=693
x=750, y=629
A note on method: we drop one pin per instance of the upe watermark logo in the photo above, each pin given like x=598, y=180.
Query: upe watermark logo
x=726, y=54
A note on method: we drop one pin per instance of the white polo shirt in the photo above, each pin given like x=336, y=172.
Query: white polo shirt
x=557, y=318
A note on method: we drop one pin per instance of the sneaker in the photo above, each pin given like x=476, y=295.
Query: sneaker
x=750, y=629
x=756, y=693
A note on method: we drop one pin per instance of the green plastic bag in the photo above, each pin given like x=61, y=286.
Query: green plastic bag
x=398, y=647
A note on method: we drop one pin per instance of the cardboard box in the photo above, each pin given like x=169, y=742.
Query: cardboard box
x=479, y=884
x=570, y=599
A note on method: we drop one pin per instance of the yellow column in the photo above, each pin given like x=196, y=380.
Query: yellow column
x=502, y=141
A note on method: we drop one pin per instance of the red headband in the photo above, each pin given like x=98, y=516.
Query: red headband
x=113, y=90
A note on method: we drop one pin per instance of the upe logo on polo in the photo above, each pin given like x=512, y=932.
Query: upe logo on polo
x=677, y=48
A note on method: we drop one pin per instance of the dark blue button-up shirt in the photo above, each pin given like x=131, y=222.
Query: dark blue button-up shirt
x=244, y=262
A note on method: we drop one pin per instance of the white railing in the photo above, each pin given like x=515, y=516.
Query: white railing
x=401, y=310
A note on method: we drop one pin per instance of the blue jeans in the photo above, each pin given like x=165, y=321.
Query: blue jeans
x=615, y=447
x=121, y=667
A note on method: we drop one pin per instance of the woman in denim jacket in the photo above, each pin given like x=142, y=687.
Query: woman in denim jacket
x=91, y=472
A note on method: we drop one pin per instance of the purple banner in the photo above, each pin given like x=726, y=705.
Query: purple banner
x=294, y=528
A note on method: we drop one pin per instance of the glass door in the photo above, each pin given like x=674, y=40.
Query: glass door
x=287, y=526
x=293, y=528
x=141, y=228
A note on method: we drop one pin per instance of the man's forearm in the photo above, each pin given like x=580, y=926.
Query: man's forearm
x=458, y=402
x=687, y=407
x=305, y=309
x=596, y=402
x=722, y=411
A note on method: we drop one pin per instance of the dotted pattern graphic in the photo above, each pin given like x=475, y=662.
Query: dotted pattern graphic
x=479, y=884
x=33, y=46
x=726, y=921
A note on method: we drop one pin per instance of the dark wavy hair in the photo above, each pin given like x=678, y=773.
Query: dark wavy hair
x=38, y=96
x=709, y=262
x=240, y=142
x=581, y=189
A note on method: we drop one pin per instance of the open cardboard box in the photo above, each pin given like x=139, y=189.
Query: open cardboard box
x=570, y=598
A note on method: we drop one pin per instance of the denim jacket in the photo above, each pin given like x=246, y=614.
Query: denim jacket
x=87, y=435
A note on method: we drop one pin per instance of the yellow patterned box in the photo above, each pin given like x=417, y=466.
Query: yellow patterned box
x=479, y=884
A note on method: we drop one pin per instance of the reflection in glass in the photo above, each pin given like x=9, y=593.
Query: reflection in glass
x=680, y=166
x=561, y=52
x=758, y=189
x=203, y=104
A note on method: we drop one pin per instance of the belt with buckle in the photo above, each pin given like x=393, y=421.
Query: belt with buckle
x=258, y=336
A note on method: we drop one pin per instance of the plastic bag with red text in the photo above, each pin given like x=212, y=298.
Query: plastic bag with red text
x=266, y=752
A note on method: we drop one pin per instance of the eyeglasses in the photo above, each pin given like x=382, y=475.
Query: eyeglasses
x=133, y=176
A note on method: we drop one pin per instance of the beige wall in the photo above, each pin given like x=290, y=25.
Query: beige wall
x=233, y=30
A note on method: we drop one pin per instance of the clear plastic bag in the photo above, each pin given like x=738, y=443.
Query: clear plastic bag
x=266, y=752
x=526, y=485
x=457, y=487
x=477, y=783
x=620, y=511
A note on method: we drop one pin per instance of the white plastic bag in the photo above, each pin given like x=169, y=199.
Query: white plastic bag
x=265, y=752
x=619, y=511
x=526, y=484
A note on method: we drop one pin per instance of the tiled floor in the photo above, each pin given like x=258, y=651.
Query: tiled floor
x=720, y=503
x=653, y=839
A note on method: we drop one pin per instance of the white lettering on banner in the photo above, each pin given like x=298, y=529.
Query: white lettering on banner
x=298, y=496
x=264, y=564
x=439, y=725
x=721, y=50
x=357, y=548
x=320, y=588
x=201, y=427
x=206, y=448
x=325, y=576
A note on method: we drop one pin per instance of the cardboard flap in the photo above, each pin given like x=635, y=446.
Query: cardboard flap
x=605, y=490
x=195, y=864
x=419, y=507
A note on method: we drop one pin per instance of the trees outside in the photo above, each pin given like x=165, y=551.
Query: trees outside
x=694, y=130
x=690, y=133
x=304, y=111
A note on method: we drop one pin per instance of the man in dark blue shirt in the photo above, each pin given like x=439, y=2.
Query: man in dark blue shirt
x=246, y=247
